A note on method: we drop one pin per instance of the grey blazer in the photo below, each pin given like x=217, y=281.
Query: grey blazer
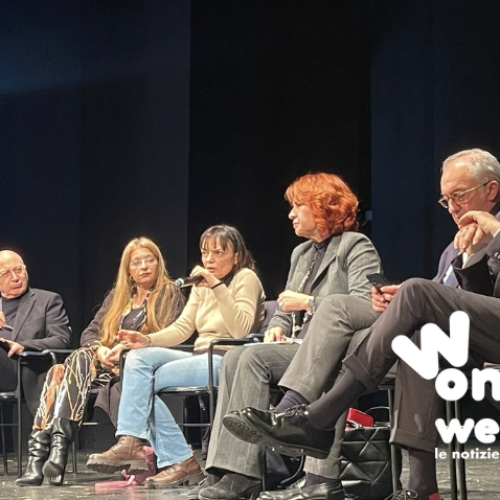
x=348, y=259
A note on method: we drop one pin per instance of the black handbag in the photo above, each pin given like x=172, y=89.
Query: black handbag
x=366, y=462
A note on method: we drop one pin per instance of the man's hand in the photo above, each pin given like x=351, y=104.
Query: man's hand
x=14, y=347
x=289, y=301
x=133, y=340
x=274, y=335
x=2, y=319
x=476, y=231
x=382, y=298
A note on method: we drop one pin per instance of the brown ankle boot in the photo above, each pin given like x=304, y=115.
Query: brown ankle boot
x=182, y=474
x=127, y=454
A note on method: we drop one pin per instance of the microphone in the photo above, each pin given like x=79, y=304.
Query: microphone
x=188, y=281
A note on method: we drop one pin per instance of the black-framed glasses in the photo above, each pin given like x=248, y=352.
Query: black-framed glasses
x=458, y=197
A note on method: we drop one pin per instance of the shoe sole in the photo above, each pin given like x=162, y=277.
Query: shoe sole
x=251, y=434
x=335, y=496
x=52, y=470
x=20, y=482
x=254, y=495
x=190, y=480
x=239, y=428
x=133, y=467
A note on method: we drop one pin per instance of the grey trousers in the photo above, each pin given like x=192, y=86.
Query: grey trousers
x=247, y=373
x=418, y=302
x=246, y=376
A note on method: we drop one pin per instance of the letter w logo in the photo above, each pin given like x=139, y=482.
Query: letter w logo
x=425, y=361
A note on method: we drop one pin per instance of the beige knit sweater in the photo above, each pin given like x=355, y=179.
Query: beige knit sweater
x=224, y=312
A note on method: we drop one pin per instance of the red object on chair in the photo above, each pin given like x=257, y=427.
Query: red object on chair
x=356, y=418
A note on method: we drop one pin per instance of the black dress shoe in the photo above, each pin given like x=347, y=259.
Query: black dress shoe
x=299, y=491
x=237, y=424
x=210, y=480
x=288, y=432
x=232, y=487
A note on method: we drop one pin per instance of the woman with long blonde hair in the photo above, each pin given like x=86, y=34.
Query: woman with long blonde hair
x=143, y=299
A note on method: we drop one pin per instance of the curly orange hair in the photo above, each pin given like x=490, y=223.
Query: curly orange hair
x=332, y=202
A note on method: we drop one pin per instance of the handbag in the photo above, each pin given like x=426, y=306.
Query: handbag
x=366, y=458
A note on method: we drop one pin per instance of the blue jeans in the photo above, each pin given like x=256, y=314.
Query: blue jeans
x=143, y=414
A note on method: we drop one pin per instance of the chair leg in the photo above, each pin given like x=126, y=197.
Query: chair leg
x=451, y=459
x=19, y=437
x=462, y=479
x=74, y=456
x=395, y=472
x=4, y=448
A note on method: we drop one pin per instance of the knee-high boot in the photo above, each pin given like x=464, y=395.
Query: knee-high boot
x=63, y=433
x=38, y=451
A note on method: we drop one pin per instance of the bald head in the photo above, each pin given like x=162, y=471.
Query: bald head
x=13, y=275
x=9, y=254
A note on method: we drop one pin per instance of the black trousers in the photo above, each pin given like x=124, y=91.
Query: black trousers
x=417, y=303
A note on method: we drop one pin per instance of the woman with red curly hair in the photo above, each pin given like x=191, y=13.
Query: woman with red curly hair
x=327, y=279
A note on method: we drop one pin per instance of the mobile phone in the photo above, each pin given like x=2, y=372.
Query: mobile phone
x=378, y=280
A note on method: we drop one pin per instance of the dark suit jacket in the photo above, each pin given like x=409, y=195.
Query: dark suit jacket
x=481, y=274
x=41, y=323
x=446, y=259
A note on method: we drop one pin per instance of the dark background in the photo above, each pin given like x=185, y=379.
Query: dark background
x=161, y=118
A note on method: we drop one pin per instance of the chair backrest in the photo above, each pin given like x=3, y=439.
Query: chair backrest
x=270, y=307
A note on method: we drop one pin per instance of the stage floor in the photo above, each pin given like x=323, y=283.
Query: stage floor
x=482, y=480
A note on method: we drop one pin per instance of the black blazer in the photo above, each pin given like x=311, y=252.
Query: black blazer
x=41, y=323
x=481, y=274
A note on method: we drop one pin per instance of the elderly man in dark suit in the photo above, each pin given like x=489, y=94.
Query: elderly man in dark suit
x=30, y=319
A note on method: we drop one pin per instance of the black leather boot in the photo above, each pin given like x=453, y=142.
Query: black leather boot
x=38, y=450
x=63, y=433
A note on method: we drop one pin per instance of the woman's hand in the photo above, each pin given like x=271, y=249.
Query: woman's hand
x=289, y=301
x=113, y=355
x=133, y=340
x=101, y=354
x=382, y=298
x=275, y=334
x=208, y=281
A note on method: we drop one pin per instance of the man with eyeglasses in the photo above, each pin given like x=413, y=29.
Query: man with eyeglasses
x=470, y=180
x=30, y=319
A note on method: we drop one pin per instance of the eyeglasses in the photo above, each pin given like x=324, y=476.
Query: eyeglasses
x=149, y=261
x=6, y=273
x=458, y=197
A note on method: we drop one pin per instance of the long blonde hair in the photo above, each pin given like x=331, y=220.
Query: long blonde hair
x=164, y=303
